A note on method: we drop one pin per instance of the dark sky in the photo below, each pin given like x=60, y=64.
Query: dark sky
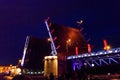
x=19, y=18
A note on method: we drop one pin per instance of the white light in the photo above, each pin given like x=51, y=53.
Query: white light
x=88, y=54
x=116, y=51
x=85, y=55
x=73, y=57
x=38, y=72
x=76, y=56
x=69, y=58
x=31, y=72
x=35, y=72
x=23, y=58
x=93, y=65
x=42, y=72
x=110, y=51
x=105, y=53
x=28, y=72
x=25, y=49
x=92, y=54
x=79, y=56
x=101, y=53
x=96, y=54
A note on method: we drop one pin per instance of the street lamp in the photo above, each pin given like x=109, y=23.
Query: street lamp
x=68, y=43
x=107, y=47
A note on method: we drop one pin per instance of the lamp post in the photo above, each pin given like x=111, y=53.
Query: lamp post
x=68, y=43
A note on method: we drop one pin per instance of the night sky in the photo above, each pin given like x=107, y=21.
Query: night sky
x=19, y=18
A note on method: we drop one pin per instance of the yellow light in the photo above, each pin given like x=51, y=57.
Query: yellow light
x=12, y=70
x=20, y=60
x=68, y=41
x=50, y=57
x=108, y=47
x=10, y=65
x=18, y=70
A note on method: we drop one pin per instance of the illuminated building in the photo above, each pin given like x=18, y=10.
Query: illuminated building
x=10, y=70
x=50, y=65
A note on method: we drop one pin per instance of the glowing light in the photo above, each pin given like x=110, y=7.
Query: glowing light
x=105, y=44
x=25, y=49
x=93, y=65
x=31, y=72
x=116, y=51
x=39, y=72
x=68, y=41
x=92, y=54
x=48, y=39
x=80, y=22
x=85, y=55
x=54, y=52
x=52, y=62
x=89, y=48
x=101, y=53
x=18, y=70
x=108, y=47
x=76, y=50
x=50, y=57
x=111, y=51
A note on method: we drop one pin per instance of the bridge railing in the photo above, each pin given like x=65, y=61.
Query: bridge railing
x=93, y=54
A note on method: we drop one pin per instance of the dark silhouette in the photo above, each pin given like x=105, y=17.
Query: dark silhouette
x=61, y=77
x=46, y=77
x=21, y=77
x=51, y=76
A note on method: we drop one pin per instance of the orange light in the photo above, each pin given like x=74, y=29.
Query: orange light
x=48, y=39
x=68, y=41
x=89, y=48
x=106, y=46
x=76, y=50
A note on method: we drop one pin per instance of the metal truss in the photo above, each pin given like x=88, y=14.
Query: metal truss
x=98, y=60
x=77, y=64
x=102, y=60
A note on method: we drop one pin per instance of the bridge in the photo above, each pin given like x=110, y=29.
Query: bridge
x=104, y=57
